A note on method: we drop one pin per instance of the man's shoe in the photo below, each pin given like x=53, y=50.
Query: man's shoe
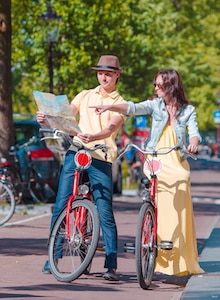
x=110, y=275
x=46, y=268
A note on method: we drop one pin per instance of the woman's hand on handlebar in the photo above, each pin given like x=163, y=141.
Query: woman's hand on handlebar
x=193, y=145
x=192, y=148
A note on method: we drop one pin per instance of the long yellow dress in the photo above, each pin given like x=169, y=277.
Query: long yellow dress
x=175, y=213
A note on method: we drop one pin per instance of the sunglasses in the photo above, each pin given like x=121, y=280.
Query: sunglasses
x=158, y=85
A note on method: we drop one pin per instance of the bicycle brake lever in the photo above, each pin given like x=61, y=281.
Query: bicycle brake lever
x=101, y=147
x=187, y=153
x=123, y=151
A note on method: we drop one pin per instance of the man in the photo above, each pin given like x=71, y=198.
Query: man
x=102, y=129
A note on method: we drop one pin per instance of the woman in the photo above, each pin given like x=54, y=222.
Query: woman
x=171, y=116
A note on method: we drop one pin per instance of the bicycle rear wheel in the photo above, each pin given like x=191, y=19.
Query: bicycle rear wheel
x=69, y=258
x=145, y=250
x=7, y=203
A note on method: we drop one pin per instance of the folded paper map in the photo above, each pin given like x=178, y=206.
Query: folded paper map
x=57, y=111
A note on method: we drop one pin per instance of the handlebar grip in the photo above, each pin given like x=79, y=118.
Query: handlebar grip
x=47, y=130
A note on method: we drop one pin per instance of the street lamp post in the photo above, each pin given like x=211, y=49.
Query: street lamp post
x=53, y=26
x=50, y=66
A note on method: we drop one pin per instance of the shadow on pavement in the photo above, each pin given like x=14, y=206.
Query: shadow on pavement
x=25, y=246
x=209, y=208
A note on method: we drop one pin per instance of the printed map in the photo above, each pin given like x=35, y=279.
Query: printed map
x=57, y=111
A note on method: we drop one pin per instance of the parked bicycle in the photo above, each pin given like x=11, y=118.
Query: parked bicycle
x=146, y=243
x=28, y=183
x=7, y=200
x=75, y=234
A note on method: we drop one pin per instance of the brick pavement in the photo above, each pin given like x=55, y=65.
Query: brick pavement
x=23, y=250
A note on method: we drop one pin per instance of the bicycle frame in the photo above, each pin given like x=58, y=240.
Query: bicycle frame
x=153, y=185
x=81, y=214
x=83, y=161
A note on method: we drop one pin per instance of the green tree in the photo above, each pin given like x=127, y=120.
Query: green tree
x=146, y=35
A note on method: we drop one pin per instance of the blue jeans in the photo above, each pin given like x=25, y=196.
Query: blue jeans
x=100, y=176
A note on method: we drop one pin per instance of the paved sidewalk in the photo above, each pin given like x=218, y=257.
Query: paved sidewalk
x=207, y=285
x=23, y=251
x=206, y=188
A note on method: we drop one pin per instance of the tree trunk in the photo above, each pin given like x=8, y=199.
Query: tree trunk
x=6, y=120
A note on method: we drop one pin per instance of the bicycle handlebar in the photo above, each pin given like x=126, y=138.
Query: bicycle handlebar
x=57, y=134
x=14, y=148
x=157, y=152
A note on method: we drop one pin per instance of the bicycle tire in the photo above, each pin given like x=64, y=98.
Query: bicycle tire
x=7, y=202
x=36, y=189
x=145, y=251
x=69, y=259
x=14, y=178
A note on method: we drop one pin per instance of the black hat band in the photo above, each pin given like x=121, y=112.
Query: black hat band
x=107, y=67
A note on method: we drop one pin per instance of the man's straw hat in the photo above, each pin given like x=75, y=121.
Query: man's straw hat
x=108, y=63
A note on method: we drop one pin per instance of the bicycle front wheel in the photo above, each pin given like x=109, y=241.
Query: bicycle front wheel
x=70, y=257
x=145, y=249
x=7, y=203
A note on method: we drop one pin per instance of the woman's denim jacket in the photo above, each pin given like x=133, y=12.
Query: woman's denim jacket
x=186, y=119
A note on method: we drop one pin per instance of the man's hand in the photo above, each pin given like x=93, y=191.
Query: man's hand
x=40, y=117
x=85, y=137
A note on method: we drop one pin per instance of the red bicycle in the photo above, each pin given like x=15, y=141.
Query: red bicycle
x=75, y=234
x=146, y=243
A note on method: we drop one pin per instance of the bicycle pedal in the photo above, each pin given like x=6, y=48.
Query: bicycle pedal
x=129, y=247
x=165, y=245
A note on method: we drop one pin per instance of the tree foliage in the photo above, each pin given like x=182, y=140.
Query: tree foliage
x=146, y=35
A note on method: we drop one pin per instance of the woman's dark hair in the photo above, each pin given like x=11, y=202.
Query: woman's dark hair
x=173, y=86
